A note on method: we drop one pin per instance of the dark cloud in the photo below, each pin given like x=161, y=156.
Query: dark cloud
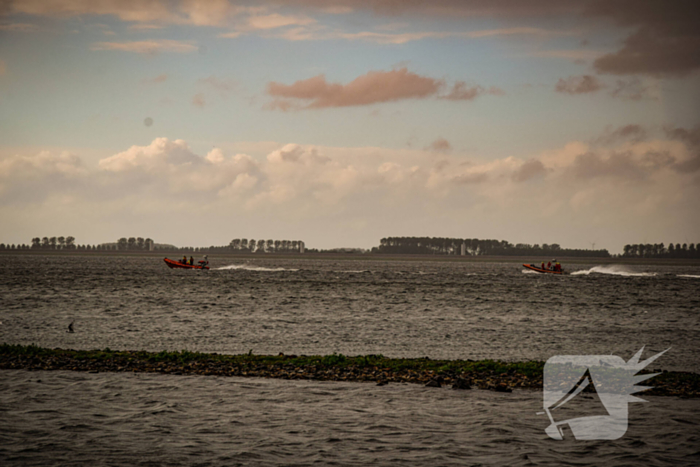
x=578, y=84
x=630, y=132
x=440, y=145
x=692, y=139
x=630, y=89
x=529, y=170
x=667, y=40
x=620, y=165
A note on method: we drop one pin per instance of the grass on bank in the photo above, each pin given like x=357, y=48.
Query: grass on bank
x=530, y=369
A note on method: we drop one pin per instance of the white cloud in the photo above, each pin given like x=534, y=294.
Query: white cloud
x=578, y=186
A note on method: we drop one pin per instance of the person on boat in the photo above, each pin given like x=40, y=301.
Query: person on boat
x=549, y=265
x=191, y=260
x=204, y=261
x=557, y=266
x=542, y=266
x=184, y=259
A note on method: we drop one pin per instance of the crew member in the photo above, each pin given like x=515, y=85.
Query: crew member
x=191, y=260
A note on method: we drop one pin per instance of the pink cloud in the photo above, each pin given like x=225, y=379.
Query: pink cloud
x=374, y=87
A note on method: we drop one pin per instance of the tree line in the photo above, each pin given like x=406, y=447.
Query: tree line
x=266, y=246
x=659, y=250
x=476, y=247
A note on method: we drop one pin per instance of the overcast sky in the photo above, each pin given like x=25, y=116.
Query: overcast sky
x=342, y=122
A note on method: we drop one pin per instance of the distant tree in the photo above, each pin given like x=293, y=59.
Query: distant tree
x=261, y=246
x=244, y=244
x=45, y=243
x=148, y=244
x=2, y=246
x=70, y=243
x=140, y=242
x=251, y=245
x=52, y=243
x=132, y=243
x=269, y=246
x=36, y=243
x=671, y=250
x=122, y=244
x=235, y=244
x=61, y=242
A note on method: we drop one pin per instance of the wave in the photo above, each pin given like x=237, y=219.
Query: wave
x=529, y=271
x=248, y=267
x=613, y=270
x=691, y=276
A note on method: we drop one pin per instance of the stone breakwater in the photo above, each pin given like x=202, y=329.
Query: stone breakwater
x=458, y=374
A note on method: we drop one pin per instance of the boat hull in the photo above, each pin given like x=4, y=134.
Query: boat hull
x=178, y=265
x=543, y=271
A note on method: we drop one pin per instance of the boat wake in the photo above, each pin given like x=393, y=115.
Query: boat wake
x=614, y=271
x=529, y=271
x=690, y=276
x=248, y=267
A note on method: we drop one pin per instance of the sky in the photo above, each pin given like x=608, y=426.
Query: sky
x=341, y=122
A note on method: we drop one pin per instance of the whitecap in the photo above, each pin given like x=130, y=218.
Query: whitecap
x=614, y=271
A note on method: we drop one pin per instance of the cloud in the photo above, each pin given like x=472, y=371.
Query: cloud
x=631, y=132
x=147, y=47
x=31, y=178
x=158, y=79
x=224, y=86
x=633, y=89
x=530, y=169
x=371, y=88
x=374, y=87
x=193, y=12
x=615, y=184
x=142, y=27
x=578, y=85
x=667, y=41
x=198, y=100
x=460, y=92
x=19, y=27
x=305, y=33
x=440, y=145
x=275, y=20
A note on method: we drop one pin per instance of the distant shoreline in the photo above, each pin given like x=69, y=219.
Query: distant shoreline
x=459, y=374
x=369, y=257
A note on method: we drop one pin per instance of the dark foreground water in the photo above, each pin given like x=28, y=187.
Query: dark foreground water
x=395, y=308
x=63, y=418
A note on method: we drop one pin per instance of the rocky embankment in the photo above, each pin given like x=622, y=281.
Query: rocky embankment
x=457, y=374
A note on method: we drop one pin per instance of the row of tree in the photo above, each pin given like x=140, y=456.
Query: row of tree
x=266, y=246
x=659, y=250
x=53, y=243
x=135, y=244
x=476, y=247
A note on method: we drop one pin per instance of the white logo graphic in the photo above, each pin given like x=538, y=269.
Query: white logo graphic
x=610, y=381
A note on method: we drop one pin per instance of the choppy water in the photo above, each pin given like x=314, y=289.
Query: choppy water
x=396, y=308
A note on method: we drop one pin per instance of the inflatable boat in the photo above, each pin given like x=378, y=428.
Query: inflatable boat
x=544, y=271
x=179, y=265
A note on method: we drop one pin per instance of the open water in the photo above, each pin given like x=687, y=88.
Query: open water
x=453, y=310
